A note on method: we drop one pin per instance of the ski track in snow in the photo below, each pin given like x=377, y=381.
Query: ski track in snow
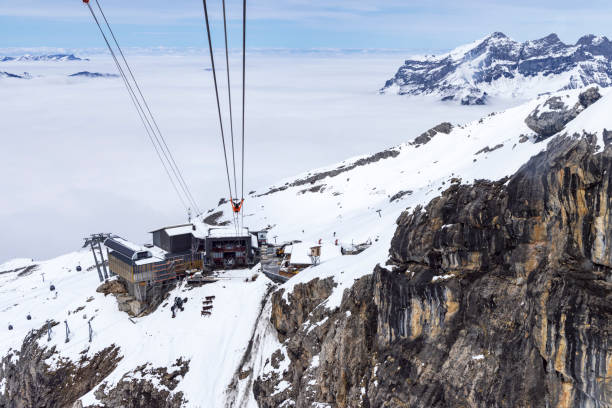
x=348, y=207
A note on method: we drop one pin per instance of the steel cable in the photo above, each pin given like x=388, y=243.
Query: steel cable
x=212, y=61
x=137, y=105
x=158, y=136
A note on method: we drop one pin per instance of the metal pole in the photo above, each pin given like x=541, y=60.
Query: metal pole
x=48, y=330
x=67, y=332
x=93, y=251
x=110, y=271
x=90, y=330
x=100, y=237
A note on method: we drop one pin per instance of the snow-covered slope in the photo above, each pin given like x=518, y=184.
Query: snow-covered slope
x=213, y=344
x=500, y=66
x=356, y=200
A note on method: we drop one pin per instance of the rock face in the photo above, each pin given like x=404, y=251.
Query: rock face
x=551, y=117
x=128, y=304
x=213, y=219
x=36, y=377
x=500, y=295
x=474, y=72
x=137, y=390
x=326, y=352
x=31, y=382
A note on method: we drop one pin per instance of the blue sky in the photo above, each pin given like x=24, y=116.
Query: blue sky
x=302, y=24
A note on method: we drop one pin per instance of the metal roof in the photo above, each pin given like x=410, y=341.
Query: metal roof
x=119, y=247
x=171, y=227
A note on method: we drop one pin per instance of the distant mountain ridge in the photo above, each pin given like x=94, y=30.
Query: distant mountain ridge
x=25, y=75
x=500, y=66
x=50, y=57
x=87, y=74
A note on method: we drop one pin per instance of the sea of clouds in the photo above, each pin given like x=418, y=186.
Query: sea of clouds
x=76, y=160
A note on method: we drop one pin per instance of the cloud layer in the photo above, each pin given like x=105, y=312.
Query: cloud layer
x=76, y=160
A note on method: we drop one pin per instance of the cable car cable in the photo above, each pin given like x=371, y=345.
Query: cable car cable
x=139, y=109
x=136, y=104
x=212, y=60
x=167, y=153
x=244, y=19
x=229, y=93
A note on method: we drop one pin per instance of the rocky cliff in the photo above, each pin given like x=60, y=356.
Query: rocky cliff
x=496, y=294
x=36, y=376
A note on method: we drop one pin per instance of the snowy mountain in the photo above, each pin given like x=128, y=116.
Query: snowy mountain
x=50, y=57
x=320, y=340
x=87, y=74
x=499, y=66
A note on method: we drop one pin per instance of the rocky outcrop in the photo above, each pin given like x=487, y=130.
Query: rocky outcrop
x=525, y=264
x=313, y=178
x=399, y=195
x=500, y=295
x=488, y=149
x=128, y=303
x=326, y=352
x=289, y=315
x=477, y=97
x=36, y=376
x=112, y=287
x=551, y=117
x=146, y=387
x=424, y=138
x=215, y=219
x=32, y=380
x=607, y=137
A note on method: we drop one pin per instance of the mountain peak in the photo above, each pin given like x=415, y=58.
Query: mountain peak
x=45, y=57
x=550, y=38
x=591, y=39
x=497, y=35
x=500, y=66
